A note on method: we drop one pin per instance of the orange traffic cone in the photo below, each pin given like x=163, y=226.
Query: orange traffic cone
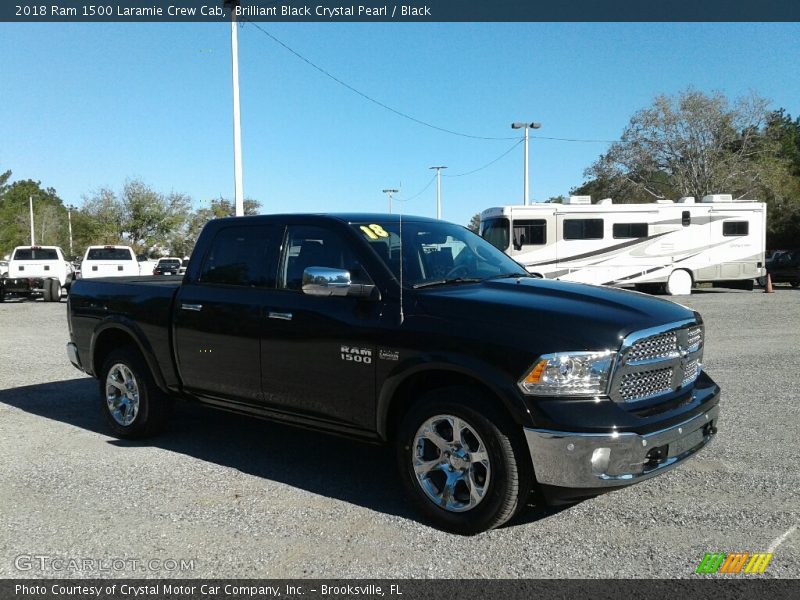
x=768, y=288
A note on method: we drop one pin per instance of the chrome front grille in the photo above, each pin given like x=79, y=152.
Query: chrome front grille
x=657, y=346
x=644, y=384
x=658, y=361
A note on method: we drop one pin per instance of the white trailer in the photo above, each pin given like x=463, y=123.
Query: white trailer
x=665, y=244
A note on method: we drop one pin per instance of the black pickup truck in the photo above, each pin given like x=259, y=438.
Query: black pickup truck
x=495, y=387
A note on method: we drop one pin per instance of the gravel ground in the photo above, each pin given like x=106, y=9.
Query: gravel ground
x=244, y=498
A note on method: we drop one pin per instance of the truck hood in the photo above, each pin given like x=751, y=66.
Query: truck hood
x=556, y=314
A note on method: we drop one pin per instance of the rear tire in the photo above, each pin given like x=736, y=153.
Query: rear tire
x=461, y=462
x=55, y=290
x=130, y=400
x=46, y=291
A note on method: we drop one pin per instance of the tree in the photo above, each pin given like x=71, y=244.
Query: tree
x=474, y=223
x=49, y=214
x=148, y=217
x=182, y=240
x=691, y=144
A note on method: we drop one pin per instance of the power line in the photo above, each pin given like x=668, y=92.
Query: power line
x=370, y=98
x=489, y=164
x=418, y=194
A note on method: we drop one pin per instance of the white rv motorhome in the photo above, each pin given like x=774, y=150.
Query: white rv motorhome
x=665, y=244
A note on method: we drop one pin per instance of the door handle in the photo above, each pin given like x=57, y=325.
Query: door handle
x=283, y=316
x=194, y=307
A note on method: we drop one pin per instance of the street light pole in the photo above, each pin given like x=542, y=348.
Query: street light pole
x=237, y=125
x=438, y=191
x=390, y=192
x=526, y=126
x=30, y=202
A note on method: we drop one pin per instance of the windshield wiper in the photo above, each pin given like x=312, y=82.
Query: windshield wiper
x=509, y=275
x=425, y=284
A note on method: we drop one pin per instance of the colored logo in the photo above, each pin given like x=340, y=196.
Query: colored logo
x=734, y=563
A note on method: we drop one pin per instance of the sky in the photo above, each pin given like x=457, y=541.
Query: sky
x=89, y=105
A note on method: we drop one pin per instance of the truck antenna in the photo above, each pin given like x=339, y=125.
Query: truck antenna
x=402, y=317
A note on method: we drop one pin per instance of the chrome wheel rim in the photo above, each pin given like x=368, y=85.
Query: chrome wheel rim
x=451, y=463
x=122, y=394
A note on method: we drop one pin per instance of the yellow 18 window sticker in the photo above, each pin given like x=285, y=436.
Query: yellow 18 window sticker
x=374, y=231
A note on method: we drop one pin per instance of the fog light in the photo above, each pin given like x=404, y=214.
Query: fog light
x=600, y=459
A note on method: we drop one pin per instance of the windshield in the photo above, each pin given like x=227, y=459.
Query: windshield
x=109, y=254
x=35, y=254
x=495, y=231
x=436, y=252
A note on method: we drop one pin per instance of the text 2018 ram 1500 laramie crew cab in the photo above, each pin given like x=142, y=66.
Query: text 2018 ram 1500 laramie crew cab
x=492, y=385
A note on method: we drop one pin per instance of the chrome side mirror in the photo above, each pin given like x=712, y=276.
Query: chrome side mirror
x=324, y=281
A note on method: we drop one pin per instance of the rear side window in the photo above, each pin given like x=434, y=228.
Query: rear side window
x=109, y=254
x=731, y=228
x=630, y=230
x=35, y=254
x=583, y=229
x=242, y=256
x=530, y=233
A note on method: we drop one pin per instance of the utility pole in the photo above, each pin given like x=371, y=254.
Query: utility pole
x=526, y=126
x=237, y=125
x=391, y=193
x=30, y=202
x=70, y=208
x=438, y=191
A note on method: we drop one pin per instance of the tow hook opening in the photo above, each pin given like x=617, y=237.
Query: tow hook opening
x=709, y=429
x=656, y=456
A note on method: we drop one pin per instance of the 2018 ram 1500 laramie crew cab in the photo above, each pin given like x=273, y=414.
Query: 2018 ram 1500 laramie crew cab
x=491, y=384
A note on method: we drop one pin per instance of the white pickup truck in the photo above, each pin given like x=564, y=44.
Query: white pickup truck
x=109, y=261
x=37, y=270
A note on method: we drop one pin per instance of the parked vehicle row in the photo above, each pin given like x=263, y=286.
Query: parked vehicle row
x=43, y=271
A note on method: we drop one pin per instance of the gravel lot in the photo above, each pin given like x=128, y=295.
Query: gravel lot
x=250, y=499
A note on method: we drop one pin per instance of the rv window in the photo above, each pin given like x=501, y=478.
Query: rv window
x=583, y=229
x=495, y=231
x=630, y=230
x=730, y=228
x=530, y=233
x=686, y=218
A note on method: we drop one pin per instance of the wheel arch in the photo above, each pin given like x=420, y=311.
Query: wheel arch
x=116, y=333
x=401, y=392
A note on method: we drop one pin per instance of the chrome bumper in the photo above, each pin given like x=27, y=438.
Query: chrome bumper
x=596, y=460
x=72, y=353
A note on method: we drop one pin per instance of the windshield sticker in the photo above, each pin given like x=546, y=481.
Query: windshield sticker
x=374, y=231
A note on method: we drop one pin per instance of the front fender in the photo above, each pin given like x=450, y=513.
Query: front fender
x=472, y=370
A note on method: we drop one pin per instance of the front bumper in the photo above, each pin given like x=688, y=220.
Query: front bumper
x=603, y=460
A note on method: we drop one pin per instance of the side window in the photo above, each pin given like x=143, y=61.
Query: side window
x=530, y=233
x=731, y=228
x=629, y=230
x=311, y=246
x=244, y=256
x=686, y=218
x=583, y=229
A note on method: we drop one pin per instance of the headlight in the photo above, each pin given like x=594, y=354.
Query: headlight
x=569, y=374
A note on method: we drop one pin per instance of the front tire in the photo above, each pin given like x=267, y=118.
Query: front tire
x=129, y=399
x=460, y=463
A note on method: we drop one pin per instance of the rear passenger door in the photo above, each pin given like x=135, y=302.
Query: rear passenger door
x=219, y=316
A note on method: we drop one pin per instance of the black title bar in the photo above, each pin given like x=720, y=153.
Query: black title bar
x=299, y=11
